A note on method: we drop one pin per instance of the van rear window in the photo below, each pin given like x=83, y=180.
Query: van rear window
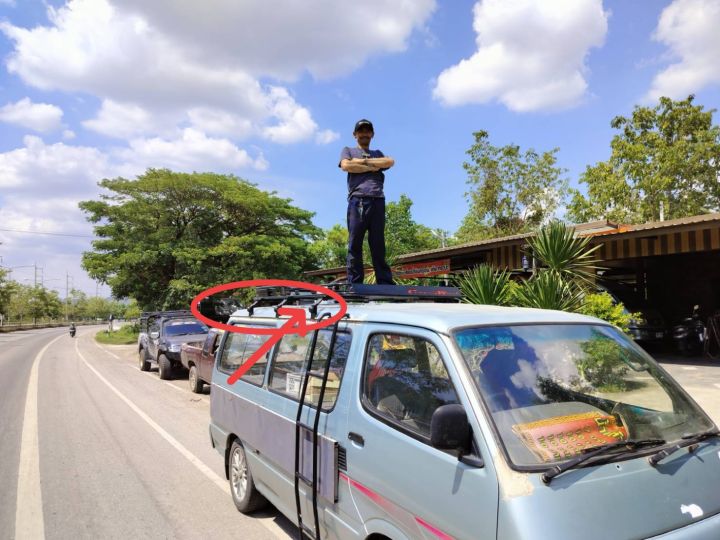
x=238, y=348
x=287, y=372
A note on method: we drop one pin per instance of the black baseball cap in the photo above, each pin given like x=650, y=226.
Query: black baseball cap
x=363, y=124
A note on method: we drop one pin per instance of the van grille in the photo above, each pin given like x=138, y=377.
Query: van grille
x=342, y=459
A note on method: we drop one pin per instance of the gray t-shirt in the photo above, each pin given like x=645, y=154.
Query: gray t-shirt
x=368, y=184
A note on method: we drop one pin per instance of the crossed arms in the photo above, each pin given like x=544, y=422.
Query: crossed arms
x=361, y=165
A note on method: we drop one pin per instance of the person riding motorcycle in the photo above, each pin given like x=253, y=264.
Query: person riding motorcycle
x=72, y=330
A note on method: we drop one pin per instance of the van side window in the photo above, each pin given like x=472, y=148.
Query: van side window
x=238, y=348
x=286, y=374
x=405, y=380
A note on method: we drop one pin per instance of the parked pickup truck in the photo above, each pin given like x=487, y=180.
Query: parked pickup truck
x=164, y=333
x=198, y=358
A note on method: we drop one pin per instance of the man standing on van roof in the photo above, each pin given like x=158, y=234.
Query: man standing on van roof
x=366, y=204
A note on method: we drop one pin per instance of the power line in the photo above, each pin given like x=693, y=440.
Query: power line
x=48, y=233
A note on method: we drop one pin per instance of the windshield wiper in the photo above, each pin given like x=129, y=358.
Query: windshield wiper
x=687, y=440
x=589, y=453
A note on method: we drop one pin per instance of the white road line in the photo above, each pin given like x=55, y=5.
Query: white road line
x=29, y=520
x=689, y=368
x=104, y=349
x=204, y=469
x=717, y=385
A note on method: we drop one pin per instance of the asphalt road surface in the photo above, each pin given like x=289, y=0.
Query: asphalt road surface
x=92, y=447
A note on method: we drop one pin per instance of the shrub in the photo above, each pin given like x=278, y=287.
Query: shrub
x=603, y=306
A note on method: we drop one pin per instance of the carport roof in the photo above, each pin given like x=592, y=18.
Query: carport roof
x=593, y=229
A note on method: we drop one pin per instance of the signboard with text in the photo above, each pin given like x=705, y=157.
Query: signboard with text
x=422, y=269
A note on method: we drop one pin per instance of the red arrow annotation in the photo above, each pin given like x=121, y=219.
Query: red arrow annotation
x=296, y=324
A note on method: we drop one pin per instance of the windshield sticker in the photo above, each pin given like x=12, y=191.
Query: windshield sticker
x=563, y=437
x=693, y=509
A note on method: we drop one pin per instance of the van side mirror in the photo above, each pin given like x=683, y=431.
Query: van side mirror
x=154, y=335
x=450, y=430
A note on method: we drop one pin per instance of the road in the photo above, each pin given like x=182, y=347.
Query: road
x=94, y=448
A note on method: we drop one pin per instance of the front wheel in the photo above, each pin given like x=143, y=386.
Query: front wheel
x=164, y=367
x=196, y=384
x=247, y=499
x=143, y=363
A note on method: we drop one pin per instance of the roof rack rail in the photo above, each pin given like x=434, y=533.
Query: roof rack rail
x=355, y=292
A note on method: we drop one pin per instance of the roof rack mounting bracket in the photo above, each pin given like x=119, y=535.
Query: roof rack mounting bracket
x=313, y=309
x=281, y=304
x=252, y=307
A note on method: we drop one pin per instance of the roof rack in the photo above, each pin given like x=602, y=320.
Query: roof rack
x=354, y=292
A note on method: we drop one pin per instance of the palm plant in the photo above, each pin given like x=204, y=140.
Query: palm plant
x=560, y=251
x=548, y=289
x=485, y=285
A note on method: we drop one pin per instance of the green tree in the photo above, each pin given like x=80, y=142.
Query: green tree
x=330, y=250
x=166, y=236
x=511, y=191
x=96, y=307
x=35, y=303
x=402, y=233
x=7, y=287
x=668, y=154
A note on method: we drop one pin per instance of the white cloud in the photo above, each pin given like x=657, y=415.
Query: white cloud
x=324, y=37
x=158, y=66
x=41, y=185
x=41, y=117
x=191, y=151
x=219, y=122
x=689, y=28
x=68, y=134
x=120, y=120
x=294, y=122
x=531, y=55
x=326, y=136
x=41, y=170
x=10, y=3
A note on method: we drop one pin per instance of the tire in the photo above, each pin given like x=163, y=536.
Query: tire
x=143, y=361
x=247, y=499
x=196, y=384
x=164, y=367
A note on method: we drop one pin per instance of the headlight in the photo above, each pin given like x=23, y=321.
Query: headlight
x=174, y=348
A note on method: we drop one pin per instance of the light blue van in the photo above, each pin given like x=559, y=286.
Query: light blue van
x=445, y=420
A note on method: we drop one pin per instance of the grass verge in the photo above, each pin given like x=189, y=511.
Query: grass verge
x=127, y=335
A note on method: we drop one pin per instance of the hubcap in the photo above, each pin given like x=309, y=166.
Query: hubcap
x=238, y=474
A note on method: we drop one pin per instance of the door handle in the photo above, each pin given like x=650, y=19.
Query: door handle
x=356, y=438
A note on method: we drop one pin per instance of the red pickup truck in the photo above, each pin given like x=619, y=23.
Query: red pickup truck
x=198, y=357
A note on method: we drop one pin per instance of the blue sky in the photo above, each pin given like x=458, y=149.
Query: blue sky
x=101, y=88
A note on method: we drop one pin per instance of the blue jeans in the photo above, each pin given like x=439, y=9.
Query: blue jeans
x=367, y=214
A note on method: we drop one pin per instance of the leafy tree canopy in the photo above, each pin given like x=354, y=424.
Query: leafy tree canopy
x=402, y=235
x=511, y=191
x=166, y=236
x=667, y=154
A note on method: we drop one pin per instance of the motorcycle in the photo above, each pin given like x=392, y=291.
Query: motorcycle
x=72, y=331
x=689, y=335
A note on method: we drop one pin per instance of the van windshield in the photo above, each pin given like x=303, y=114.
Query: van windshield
x=556, y=389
